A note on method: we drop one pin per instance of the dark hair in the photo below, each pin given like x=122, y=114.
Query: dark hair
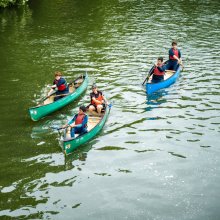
x=83, y=108
x=160, y=58
x=174, y=43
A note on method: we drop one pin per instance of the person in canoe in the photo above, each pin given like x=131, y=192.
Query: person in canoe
x=78, y=123
x=158, y=71
x=97, y=100
x=60, y=84
x=174, y=57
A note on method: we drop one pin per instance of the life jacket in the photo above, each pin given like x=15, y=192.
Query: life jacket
x=79, y=119
x=176, y=53
x=61, y=87
x=99, y=98
x=157, y=71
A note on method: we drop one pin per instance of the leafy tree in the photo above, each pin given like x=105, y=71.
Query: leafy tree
x=6, y=3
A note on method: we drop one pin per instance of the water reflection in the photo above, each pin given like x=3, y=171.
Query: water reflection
x=79, y=155
x=157, y=97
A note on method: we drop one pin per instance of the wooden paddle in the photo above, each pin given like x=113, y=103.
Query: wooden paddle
x=59, y=128
x=181, y=64
x=149, y=74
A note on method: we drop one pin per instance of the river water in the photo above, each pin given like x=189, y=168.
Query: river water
x=157, y=157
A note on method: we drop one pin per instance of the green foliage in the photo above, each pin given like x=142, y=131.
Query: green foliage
x=6, y=3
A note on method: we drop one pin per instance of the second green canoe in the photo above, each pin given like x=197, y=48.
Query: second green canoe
x=77, y=87
x=95, y=125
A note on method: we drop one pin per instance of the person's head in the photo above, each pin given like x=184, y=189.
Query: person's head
x=57, y=75
x=94, y=88
x=174, y=44
x=159, y=60
x=82, y=109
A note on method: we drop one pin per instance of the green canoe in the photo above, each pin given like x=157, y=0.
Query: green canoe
x=95, y=125
x=76, y=88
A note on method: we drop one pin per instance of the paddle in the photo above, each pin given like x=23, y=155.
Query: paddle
x=149, y=74
x=44, y=98
x=59, y=128
x=181, y=64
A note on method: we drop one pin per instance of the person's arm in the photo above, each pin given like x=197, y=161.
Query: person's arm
x=174, y=56
x=71, y=122
x=85, y=121
x=180, y=55
x=61, y=81
x=161, y=68
x=54, y=86
x=105, y=100
x=97, y=102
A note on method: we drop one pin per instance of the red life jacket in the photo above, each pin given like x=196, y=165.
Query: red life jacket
x=157, y=72
x=176, y=53
x=61, y=87
x=79, y=119
x=99, y=98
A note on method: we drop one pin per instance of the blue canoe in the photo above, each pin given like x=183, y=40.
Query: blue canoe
x=170, y=78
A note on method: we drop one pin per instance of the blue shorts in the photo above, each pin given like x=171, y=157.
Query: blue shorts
x=172, y=65
x=157, y=79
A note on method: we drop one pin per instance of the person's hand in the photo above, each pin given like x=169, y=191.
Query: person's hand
x=64, y=126
x=72, y=125
x=155, y=64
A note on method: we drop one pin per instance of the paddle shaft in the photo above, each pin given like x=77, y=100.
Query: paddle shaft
x=149, y=73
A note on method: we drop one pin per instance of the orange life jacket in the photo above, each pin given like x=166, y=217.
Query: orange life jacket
x=99, y=98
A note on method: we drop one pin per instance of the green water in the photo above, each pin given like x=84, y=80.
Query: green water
x=156, y=158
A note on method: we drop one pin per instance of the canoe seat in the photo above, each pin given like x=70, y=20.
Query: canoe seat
x=71, y=89
x=49, y=100
x=168, y=74
x=78, y=83
x=93, y=121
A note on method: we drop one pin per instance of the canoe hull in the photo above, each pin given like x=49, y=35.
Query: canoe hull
x=153, y=87
x=39, y=112
x=68, y=146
